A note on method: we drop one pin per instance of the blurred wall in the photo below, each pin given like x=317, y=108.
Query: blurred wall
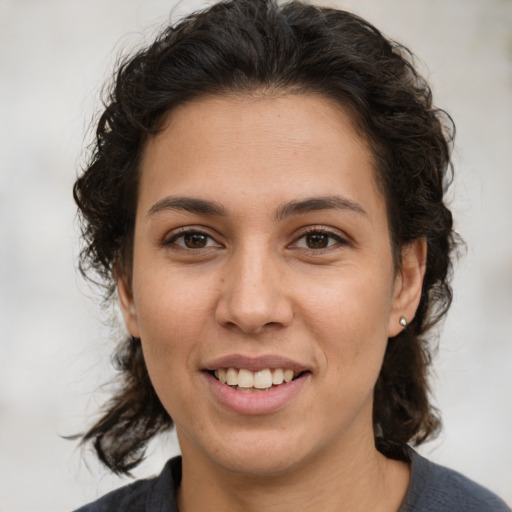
x=54, y=56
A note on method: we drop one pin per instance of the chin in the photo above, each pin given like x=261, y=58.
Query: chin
x=262, y=454
x=269, y=455
x=261, y=462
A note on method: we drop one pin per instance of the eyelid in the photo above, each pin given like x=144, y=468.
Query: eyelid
x=175, y=234
x=334, y=233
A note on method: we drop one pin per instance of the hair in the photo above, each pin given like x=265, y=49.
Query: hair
x=248, y=46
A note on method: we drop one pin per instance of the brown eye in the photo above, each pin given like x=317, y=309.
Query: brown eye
x=317, y=240
x=195, y=240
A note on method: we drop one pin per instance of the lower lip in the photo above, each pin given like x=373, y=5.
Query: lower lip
x=255, y=402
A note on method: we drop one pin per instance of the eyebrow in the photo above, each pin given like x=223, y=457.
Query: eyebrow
x=297, y=207
x=189, y=204
x=314, y=204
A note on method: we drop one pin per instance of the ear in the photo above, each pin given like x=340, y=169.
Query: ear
x=127, y=304
x=408, y=285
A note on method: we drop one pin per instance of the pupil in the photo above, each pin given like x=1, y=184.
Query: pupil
x=195, y=240
x=317, y=241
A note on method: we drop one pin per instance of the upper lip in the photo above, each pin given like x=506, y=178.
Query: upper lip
x=270, y=361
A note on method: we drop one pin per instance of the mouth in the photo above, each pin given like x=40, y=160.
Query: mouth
x=248, y=381
x=258, y=385
x=251, y=385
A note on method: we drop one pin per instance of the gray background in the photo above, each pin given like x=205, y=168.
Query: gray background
x=54, y=56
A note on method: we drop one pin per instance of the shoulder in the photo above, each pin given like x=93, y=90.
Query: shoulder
x=154, y=494
x=434, y=488
x=130, y=498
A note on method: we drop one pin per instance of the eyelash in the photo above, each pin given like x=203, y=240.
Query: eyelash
x=190, y=232
x=317, y=230
x=333, y=239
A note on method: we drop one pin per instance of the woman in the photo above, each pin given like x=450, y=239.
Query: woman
x=266, y=199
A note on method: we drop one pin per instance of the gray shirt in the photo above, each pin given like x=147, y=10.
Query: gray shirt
x=433, y=488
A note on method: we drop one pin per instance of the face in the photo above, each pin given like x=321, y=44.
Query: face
x=262, y=254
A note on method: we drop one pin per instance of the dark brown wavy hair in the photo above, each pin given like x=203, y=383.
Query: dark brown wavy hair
x=242, y=46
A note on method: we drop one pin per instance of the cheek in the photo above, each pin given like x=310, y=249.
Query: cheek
x=171, y=304
x=172, y=315
x=171, y=326
x=349, y=319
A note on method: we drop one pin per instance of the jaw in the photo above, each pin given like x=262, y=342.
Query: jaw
x=279, y=441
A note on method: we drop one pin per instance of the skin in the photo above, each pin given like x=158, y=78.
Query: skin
x=259, y=286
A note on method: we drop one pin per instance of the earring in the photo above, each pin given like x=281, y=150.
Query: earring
x=403, y=321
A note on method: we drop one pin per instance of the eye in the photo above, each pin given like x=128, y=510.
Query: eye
x=318, y=239
x=193, y=240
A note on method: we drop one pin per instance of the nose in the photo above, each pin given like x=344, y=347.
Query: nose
x=253, y=294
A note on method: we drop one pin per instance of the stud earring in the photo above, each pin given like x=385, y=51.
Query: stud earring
x=403, y=321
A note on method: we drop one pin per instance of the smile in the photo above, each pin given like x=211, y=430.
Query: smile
x=251, y=381
x=253, y=392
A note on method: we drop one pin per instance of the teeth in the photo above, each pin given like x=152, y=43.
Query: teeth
x=262, y=379
x=288, y=375
x=232, y=377
x=277, y=377
x=245, y=379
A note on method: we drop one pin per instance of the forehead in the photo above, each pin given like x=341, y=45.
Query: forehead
x=254, y=117
x=300, y=144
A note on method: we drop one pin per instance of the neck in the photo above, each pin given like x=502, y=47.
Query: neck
x=357, y=479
